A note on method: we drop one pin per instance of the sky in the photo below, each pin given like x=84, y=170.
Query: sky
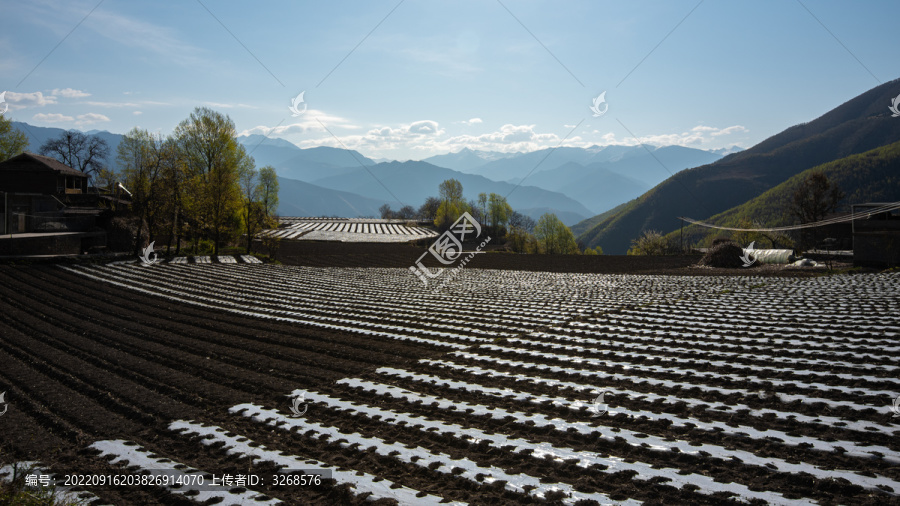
x=415, y=78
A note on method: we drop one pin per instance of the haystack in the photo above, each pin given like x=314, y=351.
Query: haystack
x=723, y=254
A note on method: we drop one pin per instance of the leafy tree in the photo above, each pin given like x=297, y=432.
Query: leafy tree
x=651, y=242
x=12, y=140
x=595, y=251
x=214, y=161
x=499, y=211
x=452, y=204
x=87, y=153
x=814, y=198
x=554, y=237
x=268, y=183
x=521, y=241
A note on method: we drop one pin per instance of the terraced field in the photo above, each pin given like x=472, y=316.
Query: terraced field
x=714, y=389
x=348, y=230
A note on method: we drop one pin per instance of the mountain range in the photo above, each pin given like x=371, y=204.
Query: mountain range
x=573, y=183
x=862, y=124
x=409, y=182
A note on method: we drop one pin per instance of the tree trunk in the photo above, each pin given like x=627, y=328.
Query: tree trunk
x=140, y=232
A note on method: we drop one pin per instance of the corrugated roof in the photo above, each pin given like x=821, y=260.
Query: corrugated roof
x=31, y=161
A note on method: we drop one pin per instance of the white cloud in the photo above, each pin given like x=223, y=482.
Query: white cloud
x=730, y=130
x=420, y=139
x=137, y=113
x=698, y=137
x=473, y=121
x=23, y=100
x=220, y=105
x=424, y=128
x=311, y=121
x=428, y=138
x=51, y=118
x=112, y=104
x=90, y=118
x=69, y=93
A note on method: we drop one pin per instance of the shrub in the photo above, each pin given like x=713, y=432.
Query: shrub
x=651, y=242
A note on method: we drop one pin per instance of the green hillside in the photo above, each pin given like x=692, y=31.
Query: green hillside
x=873, y=176
x=859, y=125
x=585, y=225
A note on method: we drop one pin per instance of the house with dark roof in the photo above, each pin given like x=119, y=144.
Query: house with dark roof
x=39, y=196
x=29, y=173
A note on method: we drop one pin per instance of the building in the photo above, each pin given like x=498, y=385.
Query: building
x=35, y=174
x=876, y=238
x=39, y=196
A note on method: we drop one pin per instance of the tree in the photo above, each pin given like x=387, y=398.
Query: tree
x=452, y=204
x=428, y=210
x=651, y=242
x=12, y=140
x=745, y=237
x=520, y=221
x=406, y=213
x=171, y=195
x=214, y=161
x=252, y=212
x=86, y=153
x=521, y=241
x=385, y=212
x=814, y=198
x=483, y=203
x=268, y=193
x=142, y=156
x=554, y=237
x=499, y=211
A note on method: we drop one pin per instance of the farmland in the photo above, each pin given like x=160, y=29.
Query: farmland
x=354, y=230
x=715, y=388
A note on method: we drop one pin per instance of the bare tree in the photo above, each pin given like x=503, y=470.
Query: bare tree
x=143, y=156
x=814, y=198
x=522, y=222
x=428, y=210
x=406, y=213
x=86, y=153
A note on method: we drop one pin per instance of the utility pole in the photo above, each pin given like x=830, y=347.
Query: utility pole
x=682, y=235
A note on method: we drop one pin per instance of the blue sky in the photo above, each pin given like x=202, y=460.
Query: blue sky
x=430, y=77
